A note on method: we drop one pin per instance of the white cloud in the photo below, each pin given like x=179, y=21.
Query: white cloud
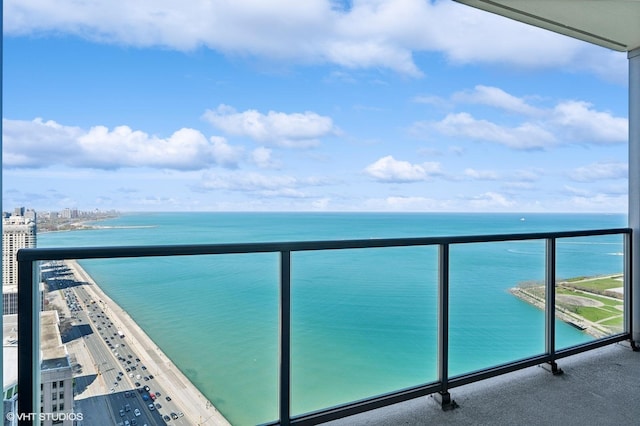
x=583, y=124
x=568, y=122
x=41, y=143
x=599, y=202
x=496, y=97
x=262, y=157
x=524, y=136
x=37, y=143
x=490, y=201
x=399, y=203
x=262, y=184
x=388, y=169
x=576, y=191
x=297, y=130
x=481, y=174
x=368, y=34
x=600, y=171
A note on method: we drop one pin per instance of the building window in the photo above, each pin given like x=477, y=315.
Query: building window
x=54, y=385
x=54, y=408
x=54, y=396
x=62, y=406
x=61, y=395
x=61, y=384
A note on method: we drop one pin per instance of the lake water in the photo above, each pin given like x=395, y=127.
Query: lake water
x=364, y=322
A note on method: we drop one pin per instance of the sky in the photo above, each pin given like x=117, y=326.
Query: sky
x=315, y=105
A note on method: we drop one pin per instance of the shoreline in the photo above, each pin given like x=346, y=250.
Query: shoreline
x=196, y=407
x=533, y=295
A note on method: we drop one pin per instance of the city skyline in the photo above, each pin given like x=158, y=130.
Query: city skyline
x=319, y=106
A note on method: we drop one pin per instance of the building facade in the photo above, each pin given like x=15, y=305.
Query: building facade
x=18, y=231
x=56, y=374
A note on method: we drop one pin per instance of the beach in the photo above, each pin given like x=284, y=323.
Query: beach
x=195, y=406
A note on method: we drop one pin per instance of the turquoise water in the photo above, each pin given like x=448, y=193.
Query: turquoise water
x=363, y=321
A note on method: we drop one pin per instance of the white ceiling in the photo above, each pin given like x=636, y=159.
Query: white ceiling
x=610, y=23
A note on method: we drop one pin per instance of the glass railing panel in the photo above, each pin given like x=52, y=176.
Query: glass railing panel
x=490, y=322
x=589, y=288
x=200, y=331
x=364, y=323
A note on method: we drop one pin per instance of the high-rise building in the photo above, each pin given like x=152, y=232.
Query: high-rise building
x=17, y=232
x=56, y=374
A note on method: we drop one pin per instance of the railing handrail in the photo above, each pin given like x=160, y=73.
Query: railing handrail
x=28, y=295
x=102, y=252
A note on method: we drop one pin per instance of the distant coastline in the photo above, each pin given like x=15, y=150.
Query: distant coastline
x=46, y=224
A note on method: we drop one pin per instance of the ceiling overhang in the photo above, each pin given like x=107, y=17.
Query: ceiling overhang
x=614, y=24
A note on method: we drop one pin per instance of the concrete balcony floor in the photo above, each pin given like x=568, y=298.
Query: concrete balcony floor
x=600, y=387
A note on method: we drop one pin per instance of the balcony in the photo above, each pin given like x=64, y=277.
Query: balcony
x=445, y=342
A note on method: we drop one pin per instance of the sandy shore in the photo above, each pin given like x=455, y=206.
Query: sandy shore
x=195, y=406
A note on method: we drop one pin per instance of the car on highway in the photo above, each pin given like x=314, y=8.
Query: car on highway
x=136, y=412
x=151, y=407
x=174, y=416
x=168, y=398
x=166, y=418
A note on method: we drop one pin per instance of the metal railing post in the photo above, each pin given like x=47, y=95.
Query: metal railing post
x=285, y=338
x=628, y=289
x=550, y=304
x=444, y=398
x=28, y=344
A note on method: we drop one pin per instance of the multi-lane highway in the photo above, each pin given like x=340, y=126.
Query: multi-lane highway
x=129, y=394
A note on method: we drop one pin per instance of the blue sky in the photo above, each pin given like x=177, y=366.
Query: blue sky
x=367, y=105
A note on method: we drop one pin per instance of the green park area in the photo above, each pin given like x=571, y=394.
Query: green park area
x=594, y=304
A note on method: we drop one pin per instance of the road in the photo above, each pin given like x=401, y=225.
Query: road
x=128, y=393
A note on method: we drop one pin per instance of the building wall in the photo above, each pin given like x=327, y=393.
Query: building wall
x=57, y=393
x=10, y=299
x=17, y=232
